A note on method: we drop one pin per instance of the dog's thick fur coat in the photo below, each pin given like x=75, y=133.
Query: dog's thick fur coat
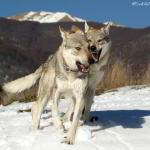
x=54, y=80
x=57, y=81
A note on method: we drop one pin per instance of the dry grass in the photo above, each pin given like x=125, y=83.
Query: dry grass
x=117, y=76
x=146, y=77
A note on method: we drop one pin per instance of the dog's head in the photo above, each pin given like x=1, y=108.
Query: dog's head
x=75, y=50
x=98, y=40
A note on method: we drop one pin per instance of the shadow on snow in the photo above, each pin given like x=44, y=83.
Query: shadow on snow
x=124, y=118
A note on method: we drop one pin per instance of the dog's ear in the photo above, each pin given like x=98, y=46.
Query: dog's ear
x=106, y=29
x=86, y=27
x=75, y=29
x=63, y=33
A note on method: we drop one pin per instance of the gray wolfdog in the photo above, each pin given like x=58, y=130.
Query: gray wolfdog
x=99, y=45
x=65, y=75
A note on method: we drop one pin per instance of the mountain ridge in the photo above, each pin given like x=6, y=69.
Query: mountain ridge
x=53, y=17
x=46, y=17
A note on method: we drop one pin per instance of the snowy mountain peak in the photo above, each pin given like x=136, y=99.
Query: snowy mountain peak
x=46, y=17
x=52, y=17
x=114, y=24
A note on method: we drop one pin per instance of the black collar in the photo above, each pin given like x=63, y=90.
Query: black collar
x=66, y=67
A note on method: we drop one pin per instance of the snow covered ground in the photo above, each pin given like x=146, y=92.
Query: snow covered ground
x=124, y=124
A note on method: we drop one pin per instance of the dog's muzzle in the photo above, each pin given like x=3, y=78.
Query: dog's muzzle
x=95, y=53
x=82, y=68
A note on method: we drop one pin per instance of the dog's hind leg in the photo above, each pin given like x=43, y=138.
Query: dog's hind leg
x=37, y=110
x=55, y=111
x=88, y=103
x=44, y=94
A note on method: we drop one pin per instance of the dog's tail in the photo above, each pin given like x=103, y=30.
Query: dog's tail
x=23, y=83
x=18, y=86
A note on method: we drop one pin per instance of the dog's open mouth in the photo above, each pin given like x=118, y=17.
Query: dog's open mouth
x=96, y=55
x=82, y=68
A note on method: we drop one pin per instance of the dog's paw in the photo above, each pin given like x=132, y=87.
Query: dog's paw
x=94, y=119
x=68, y=140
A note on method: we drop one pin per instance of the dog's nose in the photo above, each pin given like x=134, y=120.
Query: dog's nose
x=93, y=48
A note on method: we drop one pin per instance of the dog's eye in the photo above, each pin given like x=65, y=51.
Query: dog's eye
x=100, y=40
x=78, y=48
x=89, y=41
x=106, y=38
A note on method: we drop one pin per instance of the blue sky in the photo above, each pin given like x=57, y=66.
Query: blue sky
x=121, y=11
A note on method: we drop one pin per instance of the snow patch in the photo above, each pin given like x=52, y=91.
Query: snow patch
x=124, y=124
x=113, y=24
x=48, y=17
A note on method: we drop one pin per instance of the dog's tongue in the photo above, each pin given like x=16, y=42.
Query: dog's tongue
x=95, y=56
x=84, y=68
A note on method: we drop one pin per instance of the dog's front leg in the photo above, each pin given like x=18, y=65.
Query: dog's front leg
x=55, y=111
x=69, y=139
x=68, y=115
x=88, y=103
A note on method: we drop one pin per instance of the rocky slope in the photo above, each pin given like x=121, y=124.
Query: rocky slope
x=24, y=45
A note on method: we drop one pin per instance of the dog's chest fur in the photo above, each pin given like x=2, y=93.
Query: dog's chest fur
x=97, y=72
x=71, y=85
